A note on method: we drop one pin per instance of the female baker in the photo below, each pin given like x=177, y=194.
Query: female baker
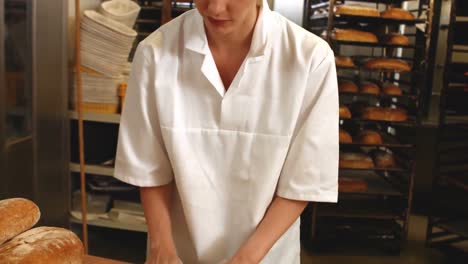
x=230, y=126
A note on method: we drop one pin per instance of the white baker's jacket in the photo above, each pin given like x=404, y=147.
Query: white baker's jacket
x=274, y=132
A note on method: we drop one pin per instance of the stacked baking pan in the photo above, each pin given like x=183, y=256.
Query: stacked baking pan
x=377, y=70
x=448, y=220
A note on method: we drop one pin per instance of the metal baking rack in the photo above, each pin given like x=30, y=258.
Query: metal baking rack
x=387, y=215
x=448, y=218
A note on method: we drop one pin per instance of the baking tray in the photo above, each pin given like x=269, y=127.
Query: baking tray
x=374, y=45
x=376, y=185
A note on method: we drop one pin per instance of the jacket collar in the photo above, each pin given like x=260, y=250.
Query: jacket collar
x=195, y=36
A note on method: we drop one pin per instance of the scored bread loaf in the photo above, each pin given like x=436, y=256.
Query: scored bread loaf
x=345, y=137
x=397, y=13
x=388, y=64
x=16, y=216
x=344, y=112
x=370, y=88
x=392, y=89
x=395, y=39
x=355, y=161
x=354, y=35
x=43, y=245
x=343, y=61
x=369, y=137
x=347, y=87
x=384, y=114
x=357, y=10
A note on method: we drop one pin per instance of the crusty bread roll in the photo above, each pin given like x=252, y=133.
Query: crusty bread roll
x=345, y=137
x=388, y=64
x=43, y=245
x=357, y=10
x=384, y=114
x=370, y=88
x=395, y=39
x=369, y=137
x=351, y=185
x=384, y=159
x=343, y=61
x=355, y=161
x=397, y=13
x=391, y=89
x=354, y=35
x=16, y=216
x=347, y=87
x=344, y=112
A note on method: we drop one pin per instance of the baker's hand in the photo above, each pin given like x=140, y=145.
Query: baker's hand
x=163, y=258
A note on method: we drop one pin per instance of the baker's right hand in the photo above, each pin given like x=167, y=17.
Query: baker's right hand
x=163, y=258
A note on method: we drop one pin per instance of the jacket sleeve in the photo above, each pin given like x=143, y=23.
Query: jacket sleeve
x=141, y=158
x=310, y=171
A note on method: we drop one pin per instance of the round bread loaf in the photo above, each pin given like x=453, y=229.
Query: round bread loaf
x=388, y=64
x=354, y=35
x=16, y=216
x=395, y=39
x=369, y=137
x=397, y=13
x=384, y=159
x=391, y=89
x=43, y=245
x=370, y=88
x=347, y=87
x=357, y=10
x=344, y=112
x=345, y=137
x=344, y=61
x=384, y=114
x=355, y=161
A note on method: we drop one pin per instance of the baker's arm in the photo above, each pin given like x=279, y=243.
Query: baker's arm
x=156, y=203
x=279, y=217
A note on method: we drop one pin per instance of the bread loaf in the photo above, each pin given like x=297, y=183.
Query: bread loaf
x=16, y=216
x=43, y=245
x=370, y=88
x=395, y=39
x=345, y=137
x=384, y=159
x=351, y=185
x=391, y=89
x=355, y=161
x=357, y=10
x=344, y=112
x=369, y=137
x=347, y=87
x=397, y=13
x=384, y=114
x=343, y=61
x=354, y=35
x=388, y=64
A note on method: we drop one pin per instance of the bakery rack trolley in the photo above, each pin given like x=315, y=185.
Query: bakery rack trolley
x=94, y=132
x=377, y=214
x=448, y=219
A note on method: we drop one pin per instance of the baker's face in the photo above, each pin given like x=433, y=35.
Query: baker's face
x=226, y=16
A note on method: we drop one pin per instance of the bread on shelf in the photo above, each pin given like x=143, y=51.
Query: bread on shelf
x=349, y=160
x=351, y=185
x=354, y=35
x=395, y=39
x=387, y=64
x=383, y=159
x=384, y=114
x=356, y=10
x=343, y=61
x=16, y=216
x=347, y=87
x=391, y=89
x=43, y=245
x=397, y=13
x=369, y=137
x=345, y=137
x=370, y=88
x=344, y=112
